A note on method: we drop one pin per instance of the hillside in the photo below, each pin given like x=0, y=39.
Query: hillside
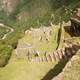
x=41, y=36
x=19, y=67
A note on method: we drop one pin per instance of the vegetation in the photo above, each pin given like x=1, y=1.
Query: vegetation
x=5, y=53
x=35, y=13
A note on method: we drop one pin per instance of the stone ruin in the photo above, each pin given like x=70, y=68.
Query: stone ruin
x=27, y=49
x=42, y=33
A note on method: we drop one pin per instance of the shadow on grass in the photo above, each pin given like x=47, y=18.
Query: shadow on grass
x=55, y=71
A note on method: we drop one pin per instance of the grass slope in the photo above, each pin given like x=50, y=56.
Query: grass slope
x=21, y=70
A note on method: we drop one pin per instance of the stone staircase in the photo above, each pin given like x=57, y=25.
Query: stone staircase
x=60, y=54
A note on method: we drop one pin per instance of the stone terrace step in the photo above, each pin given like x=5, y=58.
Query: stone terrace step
x=58, y=55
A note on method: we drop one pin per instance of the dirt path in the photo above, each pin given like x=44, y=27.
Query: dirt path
x=11, y=30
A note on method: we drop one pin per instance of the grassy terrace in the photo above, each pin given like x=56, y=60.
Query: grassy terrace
x=22, y=70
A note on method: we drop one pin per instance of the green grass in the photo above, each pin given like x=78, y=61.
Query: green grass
x=3, y=31
x=22, y=70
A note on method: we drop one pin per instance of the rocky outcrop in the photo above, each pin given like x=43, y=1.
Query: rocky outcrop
x=75, y=23
x=9, y=5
